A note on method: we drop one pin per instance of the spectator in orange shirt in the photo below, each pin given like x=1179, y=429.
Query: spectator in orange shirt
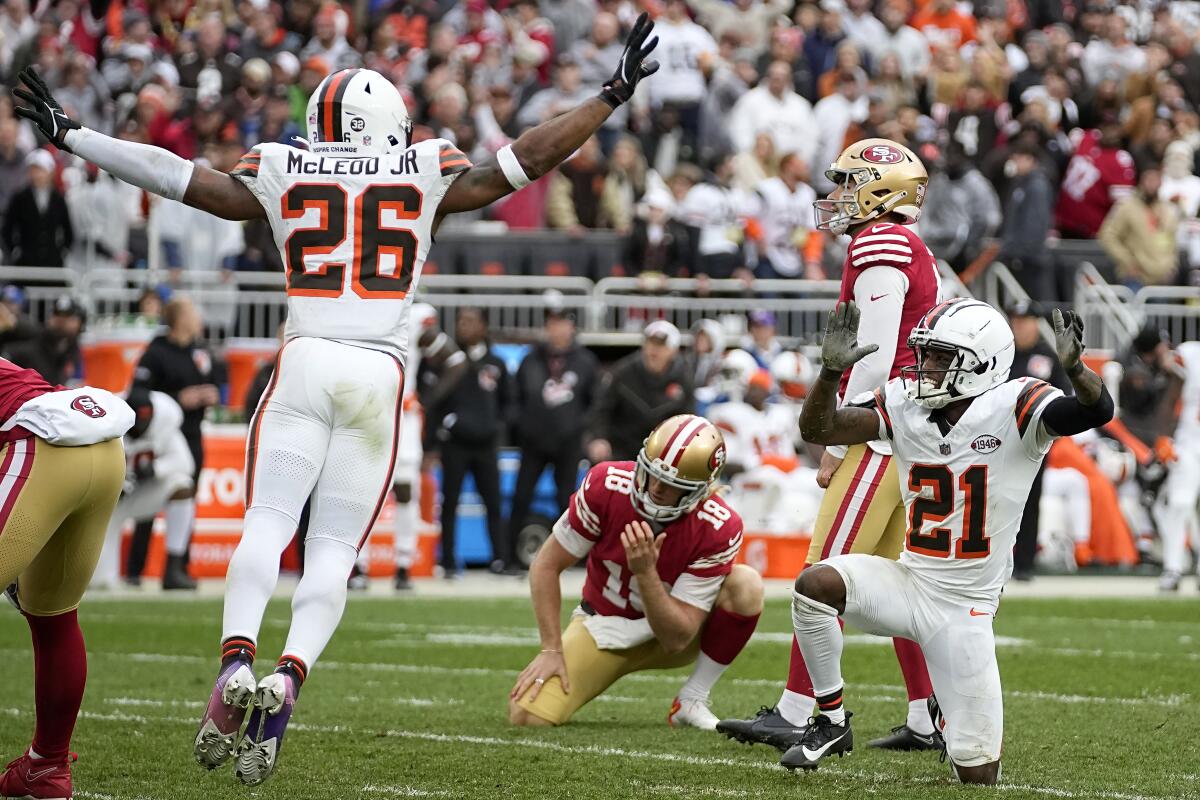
x=944, y=25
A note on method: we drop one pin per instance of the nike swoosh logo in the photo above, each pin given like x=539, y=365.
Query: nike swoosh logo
x=875, y=297
x=877, y=228
x=975, y=613
x=33, y=776
x=813, y=755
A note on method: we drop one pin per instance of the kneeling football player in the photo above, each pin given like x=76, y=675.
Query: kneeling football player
x=662, y=590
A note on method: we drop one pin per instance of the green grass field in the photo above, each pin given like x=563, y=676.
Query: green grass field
x=410, y=701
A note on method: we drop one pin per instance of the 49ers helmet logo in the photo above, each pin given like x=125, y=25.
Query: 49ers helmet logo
x=86, y=405
x=717, y=460
x=882, y=154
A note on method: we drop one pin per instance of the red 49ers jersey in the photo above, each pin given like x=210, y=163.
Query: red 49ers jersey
x=696, y=555
x=17, y=387
x=1086, y=194
x=888, y=244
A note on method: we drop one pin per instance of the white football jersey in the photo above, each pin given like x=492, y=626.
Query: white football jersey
x=1188, y=429
x=353, y=231
x=965, y=491
x=751, y=434
x=163, y=440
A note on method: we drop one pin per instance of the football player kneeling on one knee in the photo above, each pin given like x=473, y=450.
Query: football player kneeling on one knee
x=968, y=442
x=662, y=590
x=158, y=469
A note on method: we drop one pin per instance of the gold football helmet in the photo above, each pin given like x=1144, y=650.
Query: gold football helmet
x=873, y=177
x=686, y=452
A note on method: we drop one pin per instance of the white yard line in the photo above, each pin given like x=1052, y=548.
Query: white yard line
x=876, y=777
x=404, y=791
x=431, y=669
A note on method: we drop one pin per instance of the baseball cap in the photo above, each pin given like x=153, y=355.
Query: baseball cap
x=1024, y=308
x=661, y=329
x=13, y=294
x=40, y=158
x=762, y=318
x=65, y=305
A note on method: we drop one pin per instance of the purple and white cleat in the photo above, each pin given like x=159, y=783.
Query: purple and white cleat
x=259, y=748
x=222, y=721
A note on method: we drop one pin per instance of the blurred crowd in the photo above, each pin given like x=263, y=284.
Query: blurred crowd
x=1036, y=118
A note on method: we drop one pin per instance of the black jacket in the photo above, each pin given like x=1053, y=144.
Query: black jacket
x=1041, y=362
x=1144, y=390
x=632, y=401
x=475, y=412
x=168, y=368
x=34, y=238
x=555, y=391
x=53, y=357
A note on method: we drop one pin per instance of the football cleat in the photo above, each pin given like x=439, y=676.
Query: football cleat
x=821, y=740
x=692, y=711
x=30, y=778
x=403, y=581
x=766, y=727
x=939, y=724
x=226, y=711
x=903, y=737
x=1169, y=582
x=259, y=749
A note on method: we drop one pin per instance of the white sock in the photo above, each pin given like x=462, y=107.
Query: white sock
x=796, y=708
x=34, y=754
x=836, y=715
x=407, y=522
x=254, y=571
x=179, y=516
x=918, y=717
x=704, y=676
x=820, y=640
x=320, y=598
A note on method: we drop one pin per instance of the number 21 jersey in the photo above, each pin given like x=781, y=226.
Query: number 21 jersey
x=965, y=490
x=353, y=230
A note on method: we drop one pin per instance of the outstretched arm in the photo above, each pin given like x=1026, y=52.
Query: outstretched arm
x=541, y=149
x=821, y=421
x=151, y=168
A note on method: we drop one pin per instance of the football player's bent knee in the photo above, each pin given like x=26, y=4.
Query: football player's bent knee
x=742, y=591
x=520, y=717
x=823, y=584
x=985, y=774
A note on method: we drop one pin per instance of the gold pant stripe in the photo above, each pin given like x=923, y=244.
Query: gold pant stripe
x=591, y=671
x=55, y=503
x=861, y=495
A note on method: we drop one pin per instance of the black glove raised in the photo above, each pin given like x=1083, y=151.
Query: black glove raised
x=633, y=65
x=43, y=110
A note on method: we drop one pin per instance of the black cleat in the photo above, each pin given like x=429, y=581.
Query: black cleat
x=821, y=740
x=903, y=737
x=939, y=724
x=766, y=727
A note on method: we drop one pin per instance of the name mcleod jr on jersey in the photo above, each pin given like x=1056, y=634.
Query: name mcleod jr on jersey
x=302, y=163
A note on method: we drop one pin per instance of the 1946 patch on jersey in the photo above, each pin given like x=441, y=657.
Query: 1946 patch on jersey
x=985, y=444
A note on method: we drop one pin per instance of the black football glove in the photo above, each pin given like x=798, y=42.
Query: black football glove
x=633, y=65
x=43, y=110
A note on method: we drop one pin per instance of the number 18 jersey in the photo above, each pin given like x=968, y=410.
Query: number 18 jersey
x=353, y=231
x=965, y=490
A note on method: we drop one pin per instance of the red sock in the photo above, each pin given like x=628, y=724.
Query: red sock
x=798, y=680
x=59, y=675
x=726, y=635
x=912, y=666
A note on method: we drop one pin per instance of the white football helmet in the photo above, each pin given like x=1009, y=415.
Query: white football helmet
x=794, y=373
x=358, y=107
x=737, y=367
x=973, y=347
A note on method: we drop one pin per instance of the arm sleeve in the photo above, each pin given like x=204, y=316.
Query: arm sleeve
x=879, y=292
x=1032, y=402
x=700, y=584
x=580, y=526
x=145, y=166
x=1066, y=416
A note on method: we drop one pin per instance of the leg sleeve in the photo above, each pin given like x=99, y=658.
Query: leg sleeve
x=879, y=595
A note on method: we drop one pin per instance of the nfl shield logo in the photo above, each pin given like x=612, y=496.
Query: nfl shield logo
x=944, y=449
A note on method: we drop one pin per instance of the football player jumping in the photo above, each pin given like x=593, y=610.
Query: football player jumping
x=354, y=217
x=968, y=443
x=662, y=590
x=893, y=277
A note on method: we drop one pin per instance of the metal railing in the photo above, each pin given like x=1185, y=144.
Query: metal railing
x=1110, y=321
x=1175, y=309
x=999, y=287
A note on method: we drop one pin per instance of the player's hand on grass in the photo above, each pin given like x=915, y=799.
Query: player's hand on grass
x=42, y=109
x=633, y=65
x=545, y=666
x=1068, y=339
x=641, y=547
x=839, y=348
